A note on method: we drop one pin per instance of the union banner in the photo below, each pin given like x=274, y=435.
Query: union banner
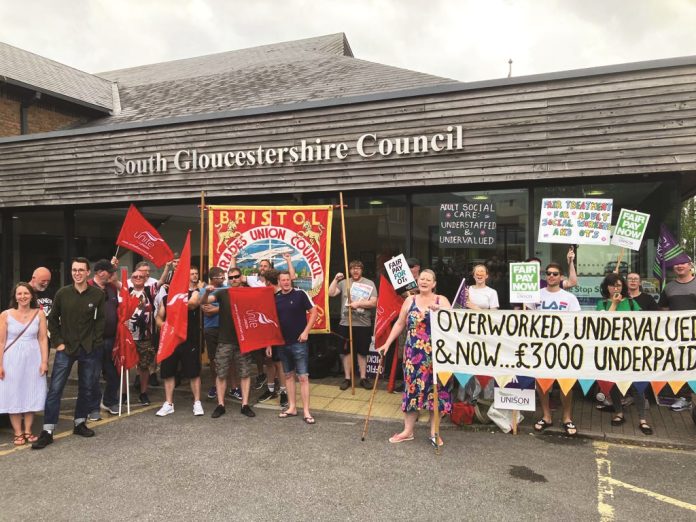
x=253, y=233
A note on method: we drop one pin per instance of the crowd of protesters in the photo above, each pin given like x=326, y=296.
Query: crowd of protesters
x=80, y=322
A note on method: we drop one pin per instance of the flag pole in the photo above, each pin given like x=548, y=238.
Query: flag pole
x=200, y=274
x=116, y=254
x=347, y=290
x=436, y=412
x=372, y=397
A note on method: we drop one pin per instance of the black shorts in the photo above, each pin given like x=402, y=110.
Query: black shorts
x=211, y=341
x=190, y=358
x=362, y=338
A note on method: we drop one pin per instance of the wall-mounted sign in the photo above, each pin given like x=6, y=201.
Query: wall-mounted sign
x=467, y=224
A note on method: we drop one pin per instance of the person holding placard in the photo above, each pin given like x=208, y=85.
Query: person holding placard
x=553, y=297
x=480, y=296
x=415, y=315
x=616, y=299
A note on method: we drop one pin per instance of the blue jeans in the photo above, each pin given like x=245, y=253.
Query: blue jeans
x=295, y=358
x=88, y=369
x=108, y=368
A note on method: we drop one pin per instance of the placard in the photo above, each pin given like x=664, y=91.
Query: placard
x=524, y=282
x=514, y=399
x=630, y=229
x=400, y=274
x=467, y=224
x=578, y=221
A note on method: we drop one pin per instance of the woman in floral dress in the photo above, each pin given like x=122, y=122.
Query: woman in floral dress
x=418, y=366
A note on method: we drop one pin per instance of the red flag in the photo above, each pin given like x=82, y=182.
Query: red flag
x=125, y=355
x=255, y=318
x=138, y=235
x=173, y=331
x=388, y=308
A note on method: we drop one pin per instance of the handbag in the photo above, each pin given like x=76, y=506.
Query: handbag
x=22, y=332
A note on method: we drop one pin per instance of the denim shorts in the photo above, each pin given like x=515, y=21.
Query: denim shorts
x=295, y=358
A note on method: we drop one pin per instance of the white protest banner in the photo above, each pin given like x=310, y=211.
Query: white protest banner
x=616, y=347
x=630, y=229
x=579, y=221
x=514, y=399
x=400, y=274
x=524, y=282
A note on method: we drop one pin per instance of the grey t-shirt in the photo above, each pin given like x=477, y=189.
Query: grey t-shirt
x=361, y=289
x=679, y=296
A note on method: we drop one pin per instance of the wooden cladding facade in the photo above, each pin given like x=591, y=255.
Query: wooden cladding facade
x=631, y=122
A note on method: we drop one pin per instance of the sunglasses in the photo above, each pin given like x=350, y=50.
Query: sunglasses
x=236, y=276
x=552, y=273
x=137, y=277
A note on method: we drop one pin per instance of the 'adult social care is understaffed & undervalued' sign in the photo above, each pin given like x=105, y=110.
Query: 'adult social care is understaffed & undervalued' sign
x=467, y=224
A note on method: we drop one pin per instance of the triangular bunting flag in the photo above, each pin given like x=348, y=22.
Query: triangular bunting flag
x=483, y=380
x=463, y=378
x=503, y=380
x=640, y=386
x=676, y=386
x=525, y=383
x=544, y=384
x=657, y=386
x=693, y=386
x=605, y=386
x=623, y=387
x=566, y=385
x=443, y=377
x=586, y=384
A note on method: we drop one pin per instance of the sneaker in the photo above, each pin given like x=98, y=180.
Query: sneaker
x=345, y=384
x=94, y=416
x=365, y=383
x=681, y=404
x=198, y=408
x=113, y=410
x=219, y=410
x=153, y=380
x=267, y=396
x=261, y=381
x=246, y=410
x=144, y=399
x=236, y=394
x=166, y=409
x=283, y=399
x=212, y=392
x=82, y=430
x=44, y=440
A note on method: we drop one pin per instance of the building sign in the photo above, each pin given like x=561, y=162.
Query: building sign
x=575, y=221
x=307, y=151
x=297, y=235
x=630, y=229
x=467, y=224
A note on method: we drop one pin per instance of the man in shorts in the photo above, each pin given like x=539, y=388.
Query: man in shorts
x=141, y=325
x=363, y=300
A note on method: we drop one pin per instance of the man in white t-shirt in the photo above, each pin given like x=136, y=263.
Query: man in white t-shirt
x=553, y=297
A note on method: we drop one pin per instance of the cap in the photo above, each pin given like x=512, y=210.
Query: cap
x=104, y=264
x=413, y=261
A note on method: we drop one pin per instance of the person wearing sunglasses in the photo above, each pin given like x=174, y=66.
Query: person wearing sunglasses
x=211, y=323
x=554, y=298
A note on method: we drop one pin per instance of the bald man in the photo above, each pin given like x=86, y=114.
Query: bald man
x=40, y=280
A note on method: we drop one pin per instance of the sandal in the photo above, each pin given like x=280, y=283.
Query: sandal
x=397, y=437
x=541, y=425
x=30, y=437
x=568, y=427
x=19, y=440
x=605, y=407
x=645, y=428
x=618, y=420
x=285, y=414
x=309, y=419
x=436, y=443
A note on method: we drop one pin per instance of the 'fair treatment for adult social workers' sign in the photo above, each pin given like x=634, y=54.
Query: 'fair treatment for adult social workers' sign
x=524, y=282
x=627, y=347
x=630, y=229
x=575, y=221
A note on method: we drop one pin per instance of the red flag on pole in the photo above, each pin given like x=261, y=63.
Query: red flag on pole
x=173, y=331
x=255, y=318
x=388, y=308
x=124, y=353
x=138, y=235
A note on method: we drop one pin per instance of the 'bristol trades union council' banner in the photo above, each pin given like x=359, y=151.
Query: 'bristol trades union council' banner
x=616, y=347
x=300, y=234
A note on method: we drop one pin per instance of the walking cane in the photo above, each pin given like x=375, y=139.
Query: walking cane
x=372, y=397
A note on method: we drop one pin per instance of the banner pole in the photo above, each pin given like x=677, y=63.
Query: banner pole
x=120, y=390
x=347, y=290
x=372, y=397
x=200, y=274
x=514, y=422
x=436, y=412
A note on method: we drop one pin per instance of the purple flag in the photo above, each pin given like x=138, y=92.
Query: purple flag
x=669, y=253
x=461, y=297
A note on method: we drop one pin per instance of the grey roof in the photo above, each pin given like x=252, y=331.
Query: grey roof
x=290, y=72
x=28, y=70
